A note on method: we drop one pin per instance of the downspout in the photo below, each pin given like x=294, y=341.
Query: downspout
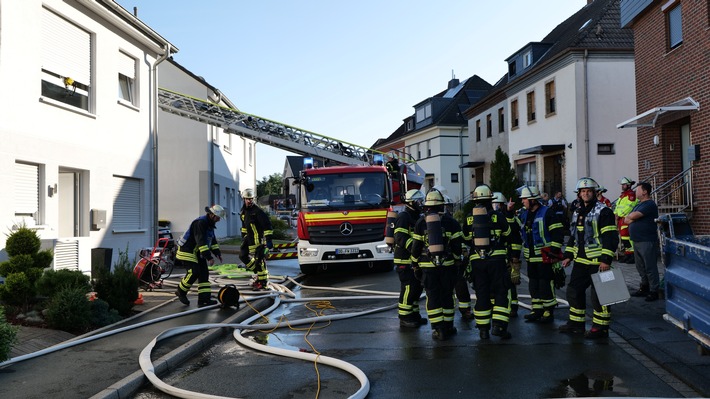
x=461, y=178
x=154, y=136
x=586, y=115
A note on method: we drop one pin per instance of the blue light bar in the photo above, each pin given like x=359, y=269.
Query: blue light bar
x=377, y=159
x=308, y=163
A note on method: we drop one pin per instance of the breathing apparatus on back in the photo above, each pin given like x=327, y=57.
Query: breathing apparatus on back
x=482, y=225
x=435, y=232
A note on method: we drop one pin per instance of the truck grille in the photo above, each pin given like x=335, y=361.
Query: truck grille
x=330, y=235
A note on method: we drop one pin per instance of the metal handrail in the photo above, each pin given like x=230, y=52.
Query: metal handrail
x=682, y=181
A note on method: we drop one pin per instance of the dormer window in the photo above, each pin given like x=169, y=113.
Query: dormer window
x=410, y=125
x=424, y=113
x=511, y=68
x=527, y=59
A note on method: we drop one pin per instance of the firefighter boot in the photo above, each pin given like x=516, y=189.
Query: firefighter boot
x=466, y=314
x=439, y=333
x=182, y=296
x=534, y=316
x=572, y=328
x=449, y=328
x=548, y=316
x=514, y=310
x=483, y=333
x=596, y=333
x=204, y=299
x=642, y=291
x=411, y=321
x=501, y=331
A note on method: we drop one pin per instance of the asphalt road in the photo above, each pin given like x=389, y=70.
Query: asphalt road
x=538, y=362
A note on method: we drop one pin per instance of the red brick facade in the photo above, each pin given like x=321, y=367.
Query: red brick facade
x=664, y=76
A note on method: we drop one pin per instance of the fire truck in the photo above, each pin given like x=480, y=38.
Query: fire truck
x=342, y=209
x=343, y=216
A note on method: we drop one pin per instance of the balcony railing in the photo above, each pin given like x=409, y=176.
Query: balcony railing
x=675, y=195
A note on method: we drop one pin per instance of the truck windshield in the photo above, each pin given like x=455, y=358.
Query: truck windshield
x=345, y=191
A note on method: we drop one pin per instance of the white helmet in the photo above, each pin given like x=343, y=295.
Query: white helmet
x=586, y=182
x=413, y=196
x=434, y=198
x=498, y=198
x=248, y=193
x=529, y=192
x=482, y=193
x=601, y=189
x=626, y=180
x=216, y=210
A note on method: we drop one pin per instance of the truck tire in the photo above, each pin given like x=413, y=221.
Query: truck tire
x=309, y=269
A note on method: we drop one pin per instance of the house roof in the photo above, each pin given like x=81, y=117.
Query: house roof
x=461, y=96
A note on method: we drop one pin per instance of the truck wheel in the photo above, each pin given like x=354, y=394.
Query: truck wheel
x=309, y=269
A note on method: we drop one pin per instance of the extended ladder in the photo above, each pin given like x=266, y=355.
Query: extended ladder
x=279, y=135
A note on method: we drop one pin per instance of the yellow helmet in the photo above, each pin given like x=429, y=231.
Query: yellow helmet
x=528, y=192
x=248, y=193
x=434, y=198
x=482, y=193
x=498, y=198
x=586, y=182
x=216, y=210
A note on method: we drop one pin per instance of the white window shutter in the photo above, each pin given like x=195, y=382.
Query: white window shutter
x=26, y=189
x=127, y=203
x=126, y=65
x=66, y=48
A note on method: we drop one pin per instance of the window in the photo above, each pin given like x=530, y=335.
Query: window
x=126, y=78
x=26, y=193
x=424, y=113
x=66, y=61
x=605, y=149
x=250, y=154
x=478, y=130
x=410, y=125
x=527, y=172
x=531, y=106
x=511, y=68
x=550, y=105
x=454, y=177
x=127, y=204
x=527, y=59
x=514, y=114
x=428, y=149
x=489, y=126
x=675, y=27
x=501, y=120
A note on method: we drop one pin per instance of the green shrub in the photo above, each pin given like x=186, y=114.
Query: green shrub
x=43, y=259
x=17, y=289
x=17, y=264
x=52, y=281
x=102, y=315
x=8, y=336
x=69, y=310
x=120, y=287
x=279, y=229
x=22, y=241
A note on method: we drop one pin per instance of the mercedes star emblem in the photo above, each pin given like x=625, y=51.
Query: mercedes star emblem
x=346, y=229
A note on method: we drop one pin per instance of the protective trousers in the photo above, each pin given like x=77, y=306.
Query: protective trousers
x=439, y=284
x=489, y=282
x=197, y=271
x=576, y=296
x=541, y=286
x=253, y=258
x=409, y=293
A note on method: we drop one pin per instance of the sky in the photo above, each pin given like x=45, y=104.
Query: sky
x=351, y=70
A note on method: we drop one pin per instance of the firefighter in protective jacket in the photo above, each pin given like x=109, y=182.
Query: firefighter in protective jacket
x=436, y=257
x=624, y=205
x=197, y=249
x=256, y=239
x=490, y=248
x=591, y=246
x=542, y=233
x=410, y=286
x=506, y=207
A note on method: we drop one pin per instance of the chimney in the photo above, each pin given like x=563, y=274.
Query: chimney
x=453, y=83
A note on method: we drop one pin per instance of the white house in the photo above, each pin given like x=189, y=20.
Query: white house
x=77, y=133
x=199, y=164
x=563, y=96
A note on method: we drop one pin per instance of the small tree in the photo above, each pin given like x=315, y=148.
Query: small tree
x=23, y=268
x=8, y=336
x=503, y=177
x=120, y=287
x=269, y=185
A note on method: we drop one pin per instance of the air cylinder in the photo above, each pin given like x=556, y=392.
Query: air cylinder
x=389, y=231
x=435, y=234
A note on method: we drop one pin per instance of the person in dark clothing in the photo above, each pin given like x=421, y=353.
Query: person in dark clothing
x=410, y=287
x=592, y=248
x=256, y=239
x=499, y=203
x=436, y=251
x=197, y=249
x=642, y=230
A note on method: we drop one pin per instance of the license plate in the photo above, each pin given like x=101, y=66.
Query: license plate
x=346, y=251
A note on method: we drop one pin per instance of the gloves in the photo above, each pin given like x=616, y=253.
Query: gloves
x=560, y=277
x=467, y=273
x=514, y=266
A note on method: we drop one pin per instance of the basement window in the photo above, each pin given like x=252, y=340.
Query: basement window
x=605, y=149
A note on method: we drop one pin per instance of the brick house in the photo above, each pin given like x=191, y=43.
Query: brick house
x=671, y=40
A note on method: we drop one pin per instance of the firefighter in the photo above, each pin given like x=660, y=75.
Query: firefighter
x=601, y=198
x=462, y=290
x=492, y=237
x=410, y=286
x=591, y=247
x=256, y=239
x=499, y=203
x=197, y=249
x=542, y=234
x=624, y=205
x=436, y=257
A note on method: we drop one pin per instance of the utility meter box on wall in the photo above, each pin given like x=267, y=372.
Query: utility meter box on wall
x=98, y=219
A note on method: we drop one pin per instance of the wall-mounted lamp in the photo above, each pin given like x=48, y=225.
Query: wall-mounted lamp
x=51, y=190
x=656, y=141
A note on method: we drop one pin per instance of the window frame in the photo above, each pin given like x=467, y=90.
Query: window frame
x=550, y=98
x=501, y=120
x=673, y=9
x=478, y=130
x=514, y=114
x=530, y=105
x=489, y=125
x=127, y=87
